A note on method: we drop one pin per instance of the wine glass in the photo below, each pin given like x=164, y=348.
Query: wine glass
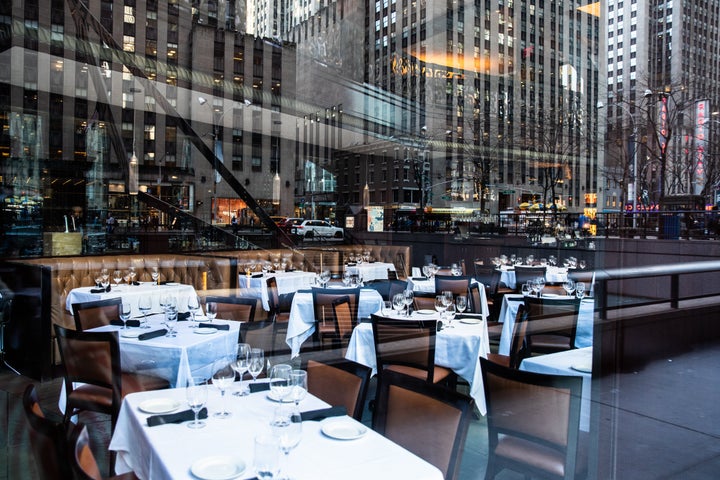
x=447, y=298
x=267, y=456
x=526, y=288
x=535, y=287
x=440, y=304
x=196, y=394
x=132, y=274
x=450, y=314
x=125, y=310
x=569, y=286
x=257, y=362
x=240, y=365
x=223, y=377
x=194, y=307
x=155, y=274
x=145, y=305
x=325, y=278
x=171, y=315
x=408, y=299
x=387, y=308
x=398, y=302
x=540, y=282
x=211, y=311
x=461, y=303
x=286, y=425
x=280, y=381
x=298, y=386
x=582, y=264
x=117, y=277
x=426, y=271
x=580, y=290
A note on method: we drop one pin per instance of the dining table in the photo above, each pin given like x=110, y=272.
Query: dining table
x=458, y=346
x=334, y=447
x=301, y=324
x=370, y=271
x=575, y=362
x=553, y=274
x=287, y=282
x=427, y=285
x=133, y=293
x=509, y=308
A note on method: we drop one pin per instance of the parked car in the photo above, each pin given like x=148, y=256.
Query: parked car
x=318, y=228
x=289, y=223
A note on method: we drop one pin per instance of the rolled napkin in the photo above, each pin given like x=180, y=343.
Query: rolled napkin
x=439, y=325
x=179, y=417
x=259, y=387
x=323, y=413
x=419, y=278
x=257, y=275
x=97, y=290
x=136, y=283
x=476, y=316
x=182, y=316
x=216, y=326
x=130, y=323
x=153, y=334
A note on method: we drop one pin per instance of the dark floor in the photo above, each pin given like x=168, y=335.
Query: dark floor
x=665, y=421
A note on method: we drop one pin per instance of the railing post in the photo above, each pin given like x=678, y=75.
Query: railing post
x=674, y=290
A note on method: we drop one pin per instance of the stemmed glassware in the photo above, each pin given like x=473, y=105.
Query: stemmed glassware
x=194, y=307
x=540, y=282
x=155, y=274
x=286, y=425
x=526, y=288
x=257, y=362
x=125, y=310
x=196, y=394
x=569, y=286
x=408, y=299
x=240, y=365
x=325, y=278
x=223, y=377
x=117, y=277
x=440, y=305
x=398, y=302
x=461, y=303
x=298, y=386
x=580, y=290
x=280, y=381
x=447, y=298
x=267, y=456
x=132, y=274
x=145, y=305
x=211, y=311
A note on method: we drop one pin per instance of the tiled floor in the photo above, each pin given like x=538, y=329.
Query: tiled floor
x=666, y=421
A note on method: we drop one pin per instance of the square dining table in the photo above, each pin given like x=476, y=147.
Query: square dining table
x=287, y=282
x=458, y=346
x=509, y=308
x=553, y=274
x=133, y=293
x=427, y=285
x=301, y=324
x=369, y=271
x=174, y=451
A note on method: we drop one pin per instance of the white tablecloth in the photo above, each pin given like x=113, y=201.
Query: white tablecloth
x=133, y=293
x=427, y=285
x=371, y=271
x=552, y=275
x=287, y=282
x=561, y=363
x=302, y=316
x=508, y=311
x=458, y=348
x=169, y=451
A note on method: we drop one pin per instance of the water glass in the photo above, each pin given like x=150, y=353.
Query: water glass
x=580, y=290
x=267, y=456
x=461, y=303
x=257, y=362
x=387, y=308
x=211, y=311
x=145, y=305
x=171, y=316
x=526, y=288
x=125, y=311
x=223, y=377
x=298, y=386
x=569, y=286
x=286, y=425
x=409, y=299
x=280, y=381
x=240, y=365
x=194, y=308
x=196, y=394
x=398, y=302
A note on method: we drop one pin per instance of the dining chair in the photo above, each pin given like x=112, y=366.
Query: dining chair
x=387, y=288
x=423, y=300
x=80, y=457
x=533, y=423
x=519, y=349
x=340, y=382
x=240, y=309
x=48, y=439
x=392, y=274
x=264, y=334
x=94, y=379
x=430, y=421
x=553, y=323
x=325, y=321
x=524, y=273
x=344, y=320
x=458, y=285
x=96, y=313
x=279, y=311
x=408, y=347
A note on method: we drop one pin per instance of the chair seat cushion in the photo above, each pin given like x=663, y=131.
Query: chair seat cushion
x=540, y=456
x=551, y=341
x=503, y=360
x=439, y=374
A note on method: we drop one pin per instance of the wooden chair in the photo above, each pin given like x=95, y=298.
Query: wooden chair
x=518, y=346
x=341, y=382
x=96, y=313
x=424, y=301
x=458, y=285
x=325, y=321
x=92, y=360
x=428, y=420
x=533, y=423
x=387, y=288
x=344, y=320
x=240, y=309
x=265, y=334
x=48, y=439
x=278, y=311
x=524, y=273
x=553, y=323
x=392, y=274
x=408, y=347
x=82, y=459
